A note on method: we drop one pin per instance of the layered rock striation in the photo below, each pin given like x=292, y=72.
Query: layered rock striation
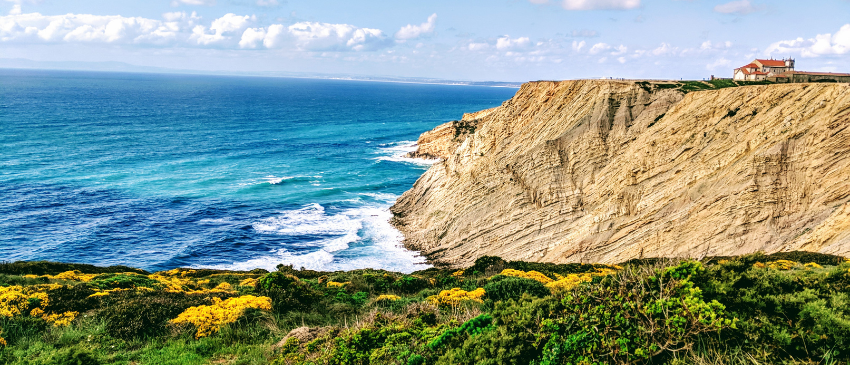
x=605, y=171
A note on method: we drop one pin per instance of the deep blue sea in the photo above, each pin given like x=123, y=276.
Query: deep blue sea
x=164, y=171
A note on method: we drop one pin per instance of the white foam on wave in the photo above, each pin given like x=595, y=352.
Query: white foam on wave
x=377, y=243
x=397, y=152
x=385, y=197
x=270, y=179
x=274, y=180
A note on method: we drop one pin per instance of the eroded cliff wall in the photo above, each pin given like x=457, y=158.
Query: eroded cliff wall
x=605, y=171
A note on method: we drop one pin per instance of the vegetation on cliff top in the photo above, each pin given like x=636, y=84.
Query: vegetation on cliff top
x=786, y=308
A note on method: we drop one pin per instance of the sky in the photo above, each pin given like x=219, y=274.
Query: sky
x=476, y=40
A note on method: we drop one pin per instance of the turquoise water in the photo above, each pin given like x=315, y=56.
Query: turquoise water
x=161, y=171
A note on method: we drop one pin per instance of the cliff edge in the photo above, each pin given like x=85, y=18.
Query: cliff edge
x=605, y=171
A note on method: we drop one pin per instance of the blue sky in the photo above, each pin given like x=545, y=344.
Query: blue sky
x=481, y=40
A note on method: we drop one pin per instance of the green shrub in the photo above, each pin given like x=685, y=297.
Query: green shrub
x=287, y=292
x=416, y=359
x=147, y=316
x=471, y=327
x=408, y=284
x=53, y=268
x=508, y=287
x=73, y=356
x=636, y=315
x=513, y=340
x=16, y=328
x=123, y=281
x=802, y=313
x=74, y=298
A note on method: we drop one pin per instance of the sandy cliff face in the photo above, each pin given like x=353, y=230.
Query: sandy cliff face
x=605, y=171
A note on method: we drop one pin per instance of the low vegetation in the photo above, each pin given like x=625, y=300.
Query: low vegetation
x=691, y=86
x=787, y=308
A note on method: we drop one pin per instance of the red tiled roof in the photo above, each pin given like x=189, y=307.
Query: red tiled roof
x=752, y=65
x=772, y=63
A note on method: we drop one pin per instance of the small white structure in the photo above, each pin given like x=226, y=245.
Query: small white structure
x=759, y=70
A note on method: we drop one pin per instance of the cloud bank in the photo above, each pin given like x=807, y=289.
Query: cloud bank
x=415, y=31
x=183, y=29
x=837, y=43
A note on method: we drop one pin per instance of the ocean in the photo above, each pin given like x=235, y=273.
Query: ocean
x=164, y=171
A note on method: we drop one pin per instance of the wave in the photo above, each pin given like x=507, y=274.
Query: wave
x=397, y=152
x=355, y=238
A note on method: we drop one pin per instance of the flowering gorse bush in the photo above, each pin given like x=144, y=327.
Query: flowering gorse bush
x=32, y=301
x=455, y=296
x=533, y=275
x=209, y=318
x=387, y=297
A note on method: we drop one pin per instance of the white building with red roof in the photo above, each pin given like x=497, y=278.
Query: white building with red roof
x=759, y=70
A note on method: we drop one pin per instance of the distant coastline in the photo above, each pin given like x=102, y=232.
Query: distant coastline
x=25, y=64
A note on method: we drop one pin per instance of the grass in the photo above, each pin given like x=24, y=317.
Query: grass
x=694, y=86
x=766, y=309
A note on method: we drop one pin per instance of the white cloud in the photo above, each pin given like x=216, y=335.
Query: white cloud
x=273, y=37
x=223, y=29
x=621, y=59
x=268, y=3
x=252, y=37
x=621, y=49
x=599, y=47
x=719, y=63
x=737, y=7
x=822, y=44
x=478, y=46
x=507, y=43
x=193, y=2
x=664, y=49
x=411, y=31
x=186, y=30
x=577, y=46
x=336, y=37
x=16, y=10
x=34, y=27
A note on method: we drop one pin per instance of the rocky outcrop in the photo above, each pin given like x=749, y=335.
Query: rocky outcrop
x=606, y=171
x=442, y=141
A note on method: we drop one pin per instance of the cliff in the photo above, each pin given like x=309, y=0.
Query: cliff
x=605, y=171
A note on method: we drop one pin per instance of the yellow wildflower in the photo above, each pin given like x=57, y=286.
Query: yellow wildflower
x=209, y=318
x=3, y=342
x=334, y=284
x=74, y=276
x=813, y=265
x=61, y=319
x=456, y=296
x=249, y=282
x=568, y=282
x=224, y=286
x=458, y=273
x=13, y=301
x=534, y=275
x=387, y=297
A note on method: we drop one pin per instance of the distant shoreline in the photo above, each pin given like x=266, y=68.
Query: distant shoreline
x=118, y=67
